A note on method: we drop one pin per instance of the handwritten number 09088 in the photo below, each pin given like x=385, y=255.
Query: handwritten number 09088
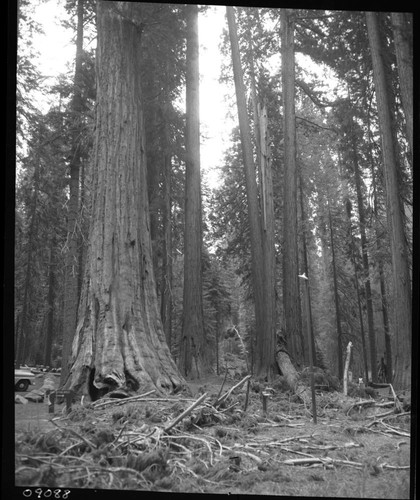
x=40, y=493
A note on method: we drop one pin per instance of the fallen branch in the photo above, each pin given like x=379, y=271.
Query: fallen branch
x=365, y=402
x=86, y=441
x=265, y=424
x=117, y=402
x=381, y=415
x=326, y=461
x=223, y=384
x=194, y=438
x=185, y=413
x=393, y=430
x=297, y=452
x=397, y=415
x=394, y=467
x=231, y=390
x=250, y=455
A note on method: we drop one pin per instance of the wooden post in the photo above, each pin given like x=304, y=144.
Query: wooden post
x=311, y=354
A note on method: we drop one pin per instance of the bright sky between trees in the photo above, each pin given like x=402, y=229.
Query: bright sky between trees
x=217, y=100
x=57, y=52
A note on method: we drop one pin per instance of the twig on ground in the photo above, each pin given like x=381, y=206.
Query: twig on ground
x=231, y=390
x=326, y=460
x=381, y=415
x=395, y=467
x=398, y=405
x=117, y=402
x=365, y=402
x=69, y=429
x=185, y=413
x=397, y=415
x=394, y=430
x=223, y=384
x=120, y=433
x=265, y=424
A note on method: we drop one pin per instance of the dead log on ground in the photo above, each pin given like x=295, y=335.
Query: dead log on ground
x=293, y=379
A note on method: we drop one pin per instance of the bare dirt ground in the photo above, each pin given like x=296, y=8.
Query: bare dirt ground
x=354, y=450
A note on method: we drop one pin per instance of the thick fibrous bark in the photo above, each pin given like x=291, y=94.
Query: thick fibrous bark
x=291, y=297
x=399, y=254
x=403, y=40
x=119, y=339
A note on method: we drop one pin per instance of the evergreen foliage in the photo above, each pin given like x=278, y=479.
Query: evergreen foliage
x=337, y=127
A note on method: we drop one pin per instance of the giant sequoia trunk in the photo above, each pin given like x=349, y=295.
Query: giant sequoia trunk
x=402, y=25
x=291, y=297
x=119, y=339
x=400, y=270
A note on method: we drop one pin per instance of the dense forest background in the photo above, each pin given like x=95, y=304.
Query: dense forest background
x=332, y=168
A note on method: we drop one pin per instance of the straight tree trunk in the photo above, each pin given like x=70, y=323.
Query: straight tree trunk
x=380, y=265
x=23, y=333
x=119, y=341
x=193, y=353
x=399, y=254
x=265, y=340
x=305, y=265
x=84, y=227
x=365, y=260
x=336, y=301
x=51, y=298
x=266, y=366
x=403, y=41
x=291, y=296
x=359, y=302
x=71, y=274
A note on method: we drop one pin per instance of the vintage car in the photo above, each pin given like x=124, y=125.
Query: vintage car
x=23, y=379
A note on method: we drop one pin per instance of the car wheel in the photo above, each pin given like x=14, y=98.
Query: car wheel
x=22, y=385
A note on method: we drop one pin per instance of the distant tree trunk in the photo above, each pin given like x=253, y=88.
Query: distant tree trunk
x=119, y=341
x=291, y=297
x=387, y=335
x=356, y=281
x=193, y=353
x=84, y=227
x=71, y=273
x=399, y=254
x=51, y=298
x=267, y=365
x=384, y=304
x=23, y=333
x=305, y=265
x=365, y=260
x=403, y=40
x=336, y=300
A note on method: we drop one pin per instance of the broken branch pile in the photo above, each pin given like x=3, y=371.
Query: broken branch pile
x=147, y=442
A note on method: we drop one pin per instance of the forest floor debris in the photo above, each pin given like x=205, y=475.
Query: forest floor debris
x=213, y=443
